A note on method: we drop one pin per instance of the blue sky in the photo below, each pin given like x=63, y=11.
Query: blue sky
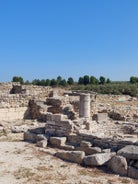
x=47, y=38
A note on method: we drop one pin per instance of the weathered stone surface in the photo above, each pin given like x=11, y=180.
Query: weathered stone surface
x=19, y=129
x=40, y=137
x=30, y=137
x=102, y=117
x=39, y=130
x=85, y=144
x=130, y=152
x=118, y=165
x=97, y=159
x=73, y=156
x=133, y=172
x=57, y=141
x=42, y=143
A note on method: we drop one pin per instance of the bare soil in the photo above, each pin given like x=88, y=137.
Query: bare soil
x=24, y=163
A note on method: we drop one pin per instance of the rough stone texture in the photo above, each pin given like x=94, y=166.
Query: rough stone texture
x=57, y=141
x=40, y=137
x=89, y=150
x=38, y=130
x=133, y=172
x=130, y=152
x=9, y=114
x=59, y=128
x=73, y=156
x=30, y=137
x=84, y=106
x=42, y=143
x=98, y=159
x=118, y=165
x=102, y=117
x=85, y=144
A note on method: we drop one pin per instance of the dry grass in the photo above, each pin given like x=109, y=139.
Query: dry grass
x=24, y=173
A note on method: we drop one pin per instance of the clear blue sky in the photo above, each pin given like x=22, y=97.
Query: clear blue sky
x=48, y=38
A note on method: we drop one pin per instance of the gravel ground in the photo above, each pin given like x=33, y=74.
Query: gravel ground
x=24, y=163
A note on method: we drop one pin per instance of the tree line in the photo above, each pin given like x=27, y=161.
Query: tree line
x=59, y=81
x=102, y=85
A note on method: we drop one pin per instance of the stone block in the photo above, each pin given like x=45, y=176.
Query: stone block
x=57, y=141
x=130, y=152
x=30, y=137
x=42, y=143
x=118, y=165
x=85, y=144
x=40, y=137
x=98, y=159
x=39, y=130
x=133, y=172
x=72, y=156
x=102, y=117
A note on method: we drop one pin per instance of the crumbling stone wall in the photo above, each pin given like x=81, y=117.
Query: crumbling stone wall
x=15, y=106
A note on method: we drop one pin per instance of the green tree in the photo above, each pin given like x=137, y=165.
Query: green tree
x=18, y=79
x=102, y=80
x=36, y=82
x=86, y=79
x=81, y=80
x=70, y=81
x=133, y=80
x=93, y=80
x=53, y=82
x=48, y=82
x=59, y=79
x=108, y=81
x=63, y=82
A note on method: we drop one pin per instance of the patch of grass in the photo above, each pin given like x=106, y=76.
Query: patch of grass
x=24, y=172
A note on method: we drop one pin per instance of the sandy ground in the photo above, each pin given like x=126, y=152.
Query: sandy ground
x=24, y=163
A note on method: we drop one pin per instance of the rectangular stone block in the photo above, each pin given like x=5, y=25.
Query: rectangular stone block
x=102, y=117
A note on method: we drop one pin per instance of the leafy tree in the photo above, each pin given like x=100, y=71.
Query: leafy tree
x=36, y=82
x=70, y=81
x=63, y=82
x=59, y=79
x=86, y=79
x=108, y=81
x=133, y=80
x=93, y=80
x=102, y=80
x=18, y=79
x=48, y=82
x=27, y=82
x=81, y=80
x=53, y=82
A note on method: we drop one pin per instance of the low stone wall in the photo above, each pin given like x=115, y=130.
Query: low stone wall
x=9, y=114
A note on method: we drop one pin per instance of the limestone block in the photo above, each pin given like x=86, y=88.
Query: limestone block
x=73, y=156
x=42, y=143
x=98, y=159
x=102, y=117
x=57, y=141
x=39, y=130
x=40, y=137
x=85, y=144
x=133, y=172
x=30, y=137
x=130, y=152
x=118, y=164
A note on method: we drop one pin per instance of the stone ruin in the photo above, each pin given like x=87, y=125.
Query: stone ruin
x=85, y=131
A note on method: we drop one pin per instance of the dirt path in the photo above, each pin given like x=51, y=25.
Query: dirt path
x=24, y=163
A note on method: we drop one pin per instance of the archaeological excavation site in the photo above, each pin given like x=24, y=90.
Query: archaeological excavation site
x=82, y=127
